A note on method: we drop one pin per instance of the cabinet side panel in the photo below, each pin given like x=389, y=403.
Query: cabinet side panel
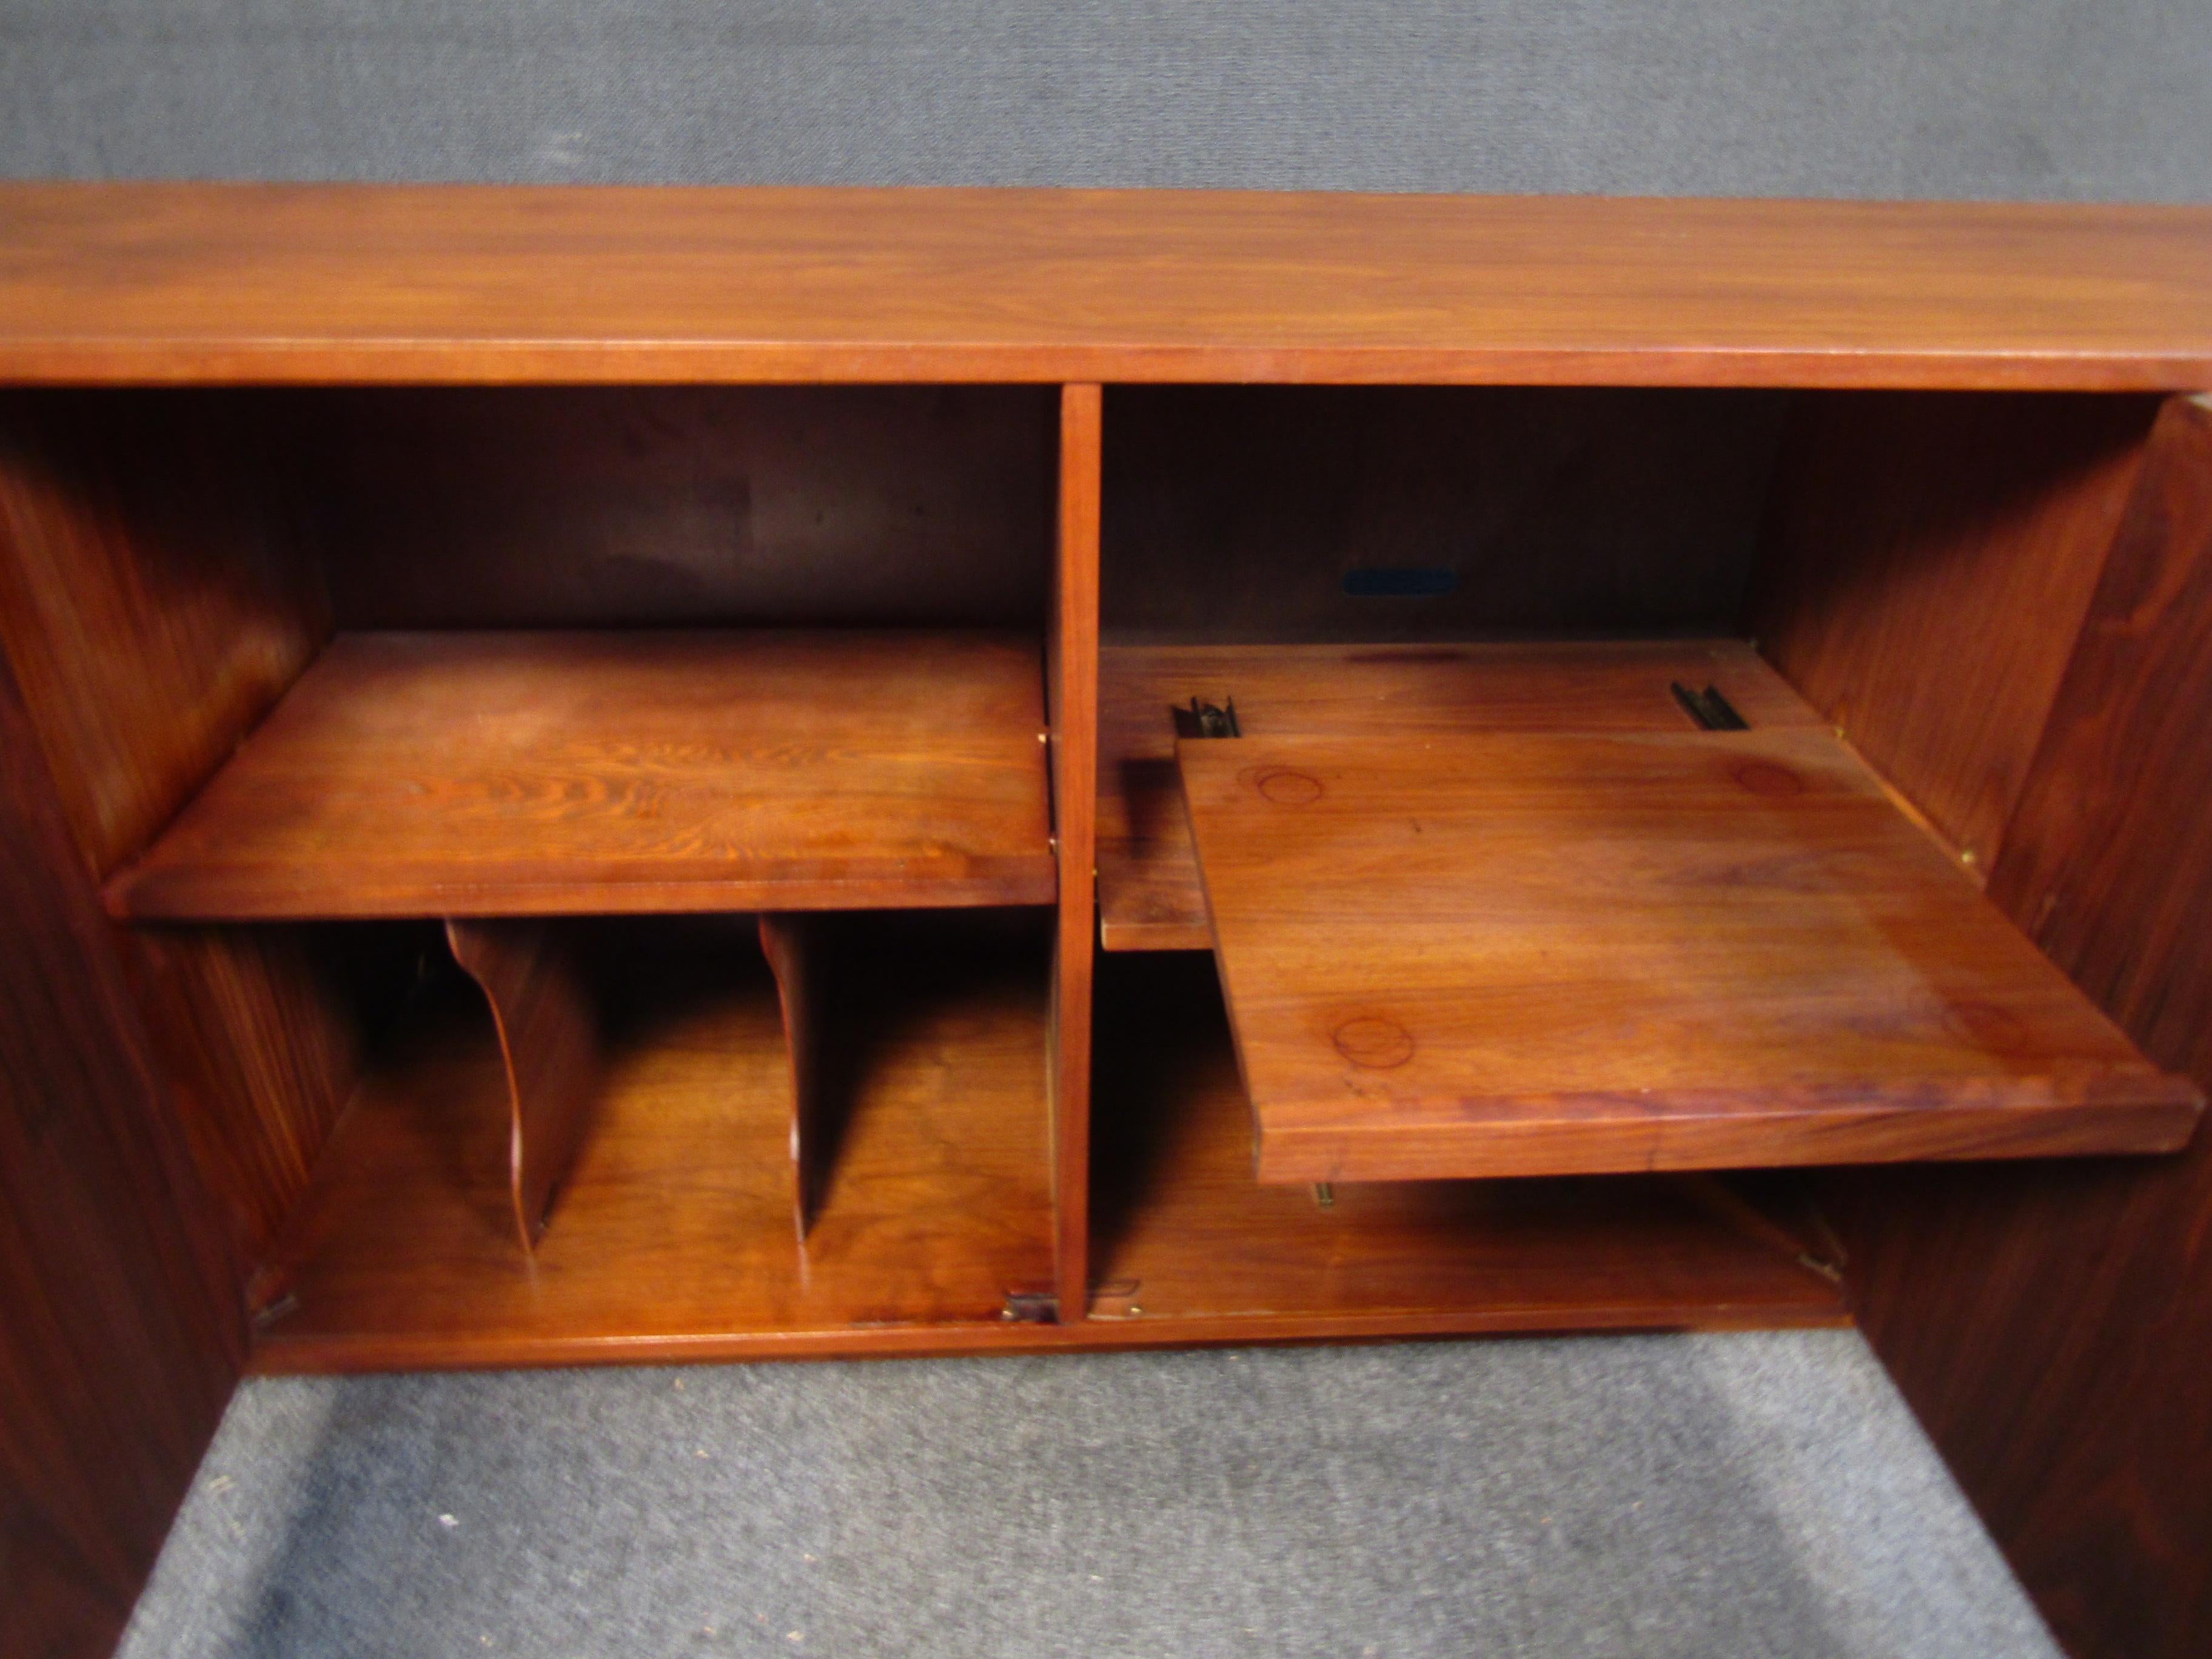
x=121, y=1332
x=1928, y=562
x=2051, y=1325
x=261, y=1038
x=157, y=597
x=153, y=595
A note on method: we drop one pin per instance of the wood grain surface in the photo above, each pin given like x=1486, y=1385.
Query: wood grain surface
x=673, y=1235
x=261, y=1033
x=674, y=1240
x=532, y=774
x=2050, y=1325
x=154, y=595
x=121, y=1327
x=549, y=1047
x=1149, y=894
x=157, y=599
x=1928, y=564
x=267, y=283
x=1534, y=953
x=1186, y=1239
x=1073, y=682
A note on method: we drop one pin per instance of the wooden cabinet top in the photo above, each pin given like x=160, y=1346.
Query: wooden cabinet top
x=116, y=283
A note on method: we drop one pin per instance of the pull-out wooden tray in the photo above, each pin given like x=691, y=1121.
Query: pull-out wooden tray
x=1550, y=953
x=531, y=773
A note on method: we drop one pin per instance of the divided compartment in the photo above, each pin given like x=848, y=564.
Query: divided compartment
x=1485, y=902
x=1186, y=1241
x=690, y=1120
x=553, y=1035
x=585, y=809
x=694, y=738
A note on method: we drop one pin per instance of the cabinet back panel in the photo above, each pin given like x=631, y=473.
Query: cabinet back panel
x=1317, y=514
x=566, y=506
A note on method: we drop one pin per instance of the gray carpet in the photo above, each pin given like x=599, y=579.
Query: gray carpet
x=2036, y=98
x=1708, y=1496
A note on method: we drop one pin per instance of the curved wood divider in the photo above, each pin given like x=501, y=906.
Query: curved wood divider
x=794, y=956
x=549, y=1041
x=549, y=1045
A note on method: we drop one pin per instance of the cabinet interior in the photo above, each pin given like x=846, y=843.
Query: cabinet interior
x=589, y=856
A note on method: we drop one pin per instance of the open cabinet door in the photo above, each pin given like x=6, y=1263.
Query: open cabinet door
x=121, y=1328
x=1572, y=953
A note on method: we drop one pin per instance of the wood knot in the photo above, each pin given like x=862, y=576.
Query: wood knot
x=1287, y=787
x=1374, y=1042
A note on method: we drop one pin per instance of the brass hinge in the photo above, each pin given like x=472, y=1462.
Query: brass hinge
x=1032, y=1307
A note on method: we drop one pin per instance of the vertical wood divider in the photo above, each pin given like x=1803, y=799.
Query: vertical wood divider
x=549, y=1040
x=791, y=958
x=1072, y=692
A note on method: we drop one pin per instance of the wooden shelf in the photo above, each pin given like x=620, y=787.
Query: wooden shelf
x=1149, y=894
x=1538, y=953
x=673, y=1235
x=531, y=773
x=1186, y=1238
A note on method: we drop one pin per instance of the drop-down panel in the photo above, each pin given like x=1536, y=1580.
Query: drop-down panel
x=1560, y=953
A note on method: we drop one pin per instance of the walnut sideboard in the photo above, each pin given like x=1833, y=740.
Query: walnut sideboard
x=603, y=775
